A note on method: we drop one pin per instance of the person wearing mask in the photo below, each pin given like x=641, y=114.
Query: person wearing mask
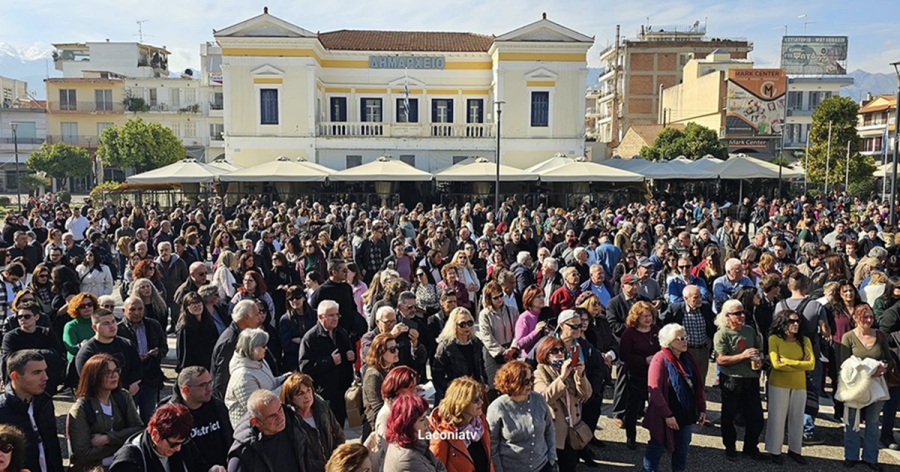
x=270, y=438
x=196, y=334
x=698, y=320
x=561, y=380
x=249, y=372
x=106, y=340
x=323, y=433
x=103, y=416
x=459, y=353
x=164, y=446
x=148, y=336
x=25, y=405
x=640, y=341
x=737, y=348
x=790, y=353
x=327, y=356
x=246, y=315
x=466, y=444
x=212, y=430
x=407, y=447
x=677, y=399
x=523, y=433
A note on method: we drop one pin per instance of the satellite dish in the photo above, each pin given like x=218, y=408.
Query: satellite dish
x=189, y=72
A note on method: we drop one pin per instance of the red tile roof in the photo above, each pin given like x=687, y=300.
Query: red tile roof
x=413, y=41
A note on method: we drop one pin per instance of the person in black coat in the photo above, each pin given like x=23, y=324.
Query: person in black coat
x=133, y=325
x=339, y=291
x=28, y=335
x=196, y=334
x=618, y=308
x=24, y=392
x=167, y=435
x=298, y=319
x=459, y=353
x=245, y=315
x=212, y=432
x=327, y=356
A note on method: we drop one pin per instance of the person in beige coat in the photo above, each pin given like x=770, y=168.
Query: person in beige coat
x=563, y=384
x=497, y=331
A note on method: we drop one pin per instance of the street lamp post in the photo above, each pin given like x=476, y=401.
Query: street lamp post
x=497, y=182
x=893, y=213
x=15, y=131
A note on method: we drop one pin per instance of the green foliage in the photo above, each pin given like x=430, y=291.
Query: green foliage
x=60, y=161
x=5, y=202
x=862, y=189
x=97, y=193
x=63, y=196
x=841, y=112
x=694, y=142
x=136, y=105
x=32, y=182
x=143, y=146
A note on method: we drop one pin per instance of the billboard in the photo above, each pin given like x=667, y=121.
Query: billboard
x=814, y=55
x=755, y=102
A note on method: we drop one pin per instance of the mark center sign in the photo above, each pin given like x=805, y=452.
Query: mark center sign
x=755, y=102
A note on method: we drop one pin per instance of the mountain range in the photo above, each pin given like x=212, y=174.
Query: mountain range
x=34, y=63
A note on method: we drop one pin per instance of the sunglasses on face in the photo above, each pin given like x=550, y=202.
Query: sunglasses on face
x=25, y=317
x=793, y=321
x=573, y=326
x=466, y=324
x=85, y=305
x=393, y=349
x=737, y=313
x=557, y=350
x=6, y=448
x=173, y=445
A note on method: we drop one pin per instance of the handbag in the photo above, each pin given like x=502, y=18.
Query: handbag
x=353, y=398
x=579, y=434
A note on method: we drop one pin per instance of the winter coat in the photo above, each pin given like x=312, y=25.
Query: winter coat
x=98, y=282
x=246, y=456
x=454, y=453
x=658, y=410
x=450, y=364
x=14, y=412
x=327, y=435
x=553, y=388
x=119, y=427
x=416, y=458
x=247, y=376
x=139, y=455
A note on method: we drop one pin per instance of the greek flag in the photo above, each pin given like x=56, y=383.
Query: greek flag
x=406, y=96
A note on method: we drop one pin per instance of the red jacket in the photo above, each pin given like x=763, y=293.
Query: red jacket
x=562, y=299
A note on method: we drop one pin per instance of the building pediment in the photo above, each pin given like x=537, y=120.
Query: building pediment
x=264, y=26
x=267, y=71
x=541, y=74
x=399, y=82
x=545, y=30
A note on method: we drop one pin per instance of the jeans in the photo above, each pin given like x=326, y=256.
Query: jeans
x=813, y=383
x=654, y=451
x=741, y=394
x=146, y=400
x=123, y=261
x=870, y=438
x=889, y=415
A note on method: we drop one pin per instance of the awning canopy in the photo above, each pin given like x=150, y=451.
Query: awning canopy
x=282, y=169
x=707, y=162
x=383, y=169
x=483, y=170
x=674, y=170
x=585, y=171
x=223, y=164
x=740, y=166
x=557, y=160
x=183, y=171
x=635, y=164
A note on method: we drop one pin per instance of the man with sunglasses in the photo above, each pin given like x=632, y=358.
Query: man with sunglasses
x=735, y=344
x=29, y=335
x=212, y=432
x=685, y=279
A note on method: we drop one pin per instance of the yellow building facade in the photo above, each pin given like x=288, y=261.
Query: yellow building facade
x=345, y=97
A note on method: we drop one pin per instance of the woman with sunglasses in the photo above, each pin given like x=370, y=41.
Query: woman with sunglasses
x=496, y=330
x=459, y=353
x=195, y=332
x=78, y=329
x=626, y=265
x=677, y=400
x=164, y=446
x=380, y=359
x=312, y=260
x=103, y=416
x=791, y=355
x=12, y=449
x=640, y=342
x=297, y=320
x=465, y=445
x=428, y=296
x=29, y=334
x=41, y=286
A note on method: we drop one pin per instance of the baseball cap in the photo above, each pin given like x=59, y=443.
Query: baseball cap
x=567, y=315
x=628, y=279
x=645, y=262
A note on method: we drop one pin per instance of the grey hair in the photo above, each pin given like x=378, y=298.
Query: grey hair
x=550, y=263
x=250, y=339
x=388, y=274
x=407, y=295
x=106, y=298
x=189, y=373
x=878, y=252
x=578, y=251
x=732, y=263
x=722, y=317
x=667, y=334
x=809, y=249
x=382, y=310
x=522, y=257
x=242, y=309
x=567, y=270
x=163, y=244
x=140, y=244
x=689, y=288
x=259, y=399
x=326, y=305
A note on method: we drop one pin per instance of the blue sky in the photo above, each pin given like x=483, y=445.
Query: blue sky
x=182, y=25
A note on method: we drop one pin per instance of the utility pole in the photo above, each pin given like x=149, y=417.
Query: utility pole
x=893, y=213
x=806, y=166
x=497, y=182
x=15, y=131
x=847, y=171
x=827, y=158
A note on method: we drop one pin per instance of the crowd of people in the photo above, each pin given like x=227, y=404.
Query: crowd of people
x=295, y=321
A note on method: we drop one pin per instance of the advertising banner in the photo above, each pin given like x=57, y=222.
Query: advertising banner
x=755, y=102
x=814, y=55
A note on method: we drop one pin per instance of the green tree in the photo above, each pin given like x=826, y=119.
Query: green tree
x=694, y=142
x=60, y=161
x=143, y=146
x=841, y=113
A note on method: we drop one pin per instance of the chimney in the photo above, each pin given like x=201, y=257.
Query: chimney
x=544, y=15
x=265, y=10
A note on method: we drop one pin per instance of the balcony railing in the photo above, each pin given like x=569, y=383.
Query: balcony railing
x=22, y=140
x=89, y=107
x=220, y=136
x=798, y=112
x=216, y=106
x=75, y=140
x=407, y=130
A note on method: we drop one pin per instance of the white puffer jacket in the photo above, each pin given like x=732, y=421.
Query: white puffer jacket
x=247, y=376
x=856, y=386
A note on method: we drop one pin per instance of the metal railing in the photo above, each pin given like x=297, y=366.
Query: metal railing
x=405, y=130
x=22, y=140
x=216, y=106
x=75, y=140
x=92, y=107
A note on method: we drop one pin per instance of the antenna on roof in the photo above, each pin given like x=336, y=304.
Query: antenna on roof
x=140, y=34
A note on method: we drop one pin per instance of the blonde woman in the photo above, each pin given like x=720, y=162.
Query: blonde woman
x=467, y=439
x=154, y=305
x=459, y=353
x=226, y=266
x=466, y=274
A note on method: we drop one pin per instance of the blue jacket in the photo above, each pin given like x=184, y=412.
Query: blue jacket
x=677, y=285
x=608, y=255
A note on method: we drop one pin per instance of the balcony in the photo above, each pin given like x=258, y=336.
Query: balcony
x=798, y=112
x=89, y=141
x=22, y=141
x=217, y=139
x=216, y=109
x=406, y=130
x=86, y=107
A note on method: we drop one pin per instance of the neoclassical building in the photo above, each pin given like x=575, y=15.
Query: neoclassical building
x=343, y=98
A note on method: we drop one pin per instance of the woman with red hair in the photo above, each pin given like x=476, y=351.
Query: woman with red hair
x=254, y=287
x=407, y=437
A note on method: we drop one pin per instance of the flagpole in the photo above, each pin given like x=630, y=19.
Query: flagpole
x=806, y=165
x=827, y=159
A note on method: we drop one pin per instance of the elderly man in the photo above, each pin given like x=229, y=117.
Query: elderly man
x=551, y=279
x=245, y=315
x=522, y=270
x=580, y=263
x=270, y=439
x=725, y=286
x=164, y=235
x=148, y=337
x=25, y=405
x=685, y=279
x=608, y=255
x=698, y=320
x=623, y=237
x=197, y=277
x=564, y=297
x=74, y=253
x=107, y=341
x=647, y=285
x=327, y=356
x=735, y=343
x=406, y=332
x=337, y=290
x=212, y=432
x=173, y=272
x=598, y=285
x=21, y=248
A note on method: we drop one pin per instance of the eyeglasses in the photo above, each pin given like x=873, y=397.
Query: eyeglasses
x=43, y=275
x=420, y=274
x=113, y=372
x=793, y=321
x=528, y=381
x=466, y=324
x=557, y=350
x=681, y=338
x=25, y=317
x=173, y=445
x=393, y=349
x=497, y=297
x=202, y=385
x=109, y=306
x=298, y=297
x=6, y=448
x=85, y=305
x=573, y=326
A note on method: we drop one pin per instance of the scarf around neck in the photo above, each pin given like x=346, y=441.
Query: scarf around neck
x=681, y=376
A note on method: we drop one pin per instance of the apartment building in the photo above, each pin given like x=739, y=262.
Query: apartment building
x=876, y=121
x=23, y=128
